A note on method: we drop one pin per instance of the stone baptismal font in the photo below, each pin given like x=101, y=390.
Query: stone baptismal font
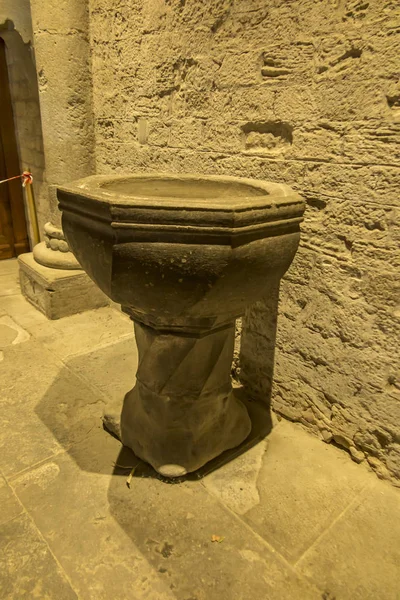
x=184, y=256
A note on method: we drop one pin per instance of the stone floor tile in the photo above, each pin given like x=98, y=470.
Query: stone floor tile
x=22, y=311
x=11, y=332
x=68, y=499
x=44, y=407
x=9, y=284
x=27, y=371
x=9, y=277
x=10, y=507
x=111, y=369
x=9, y=267
x=27, y=567
x=82, y=333
x=303, y=486
x=151, y=539
x=235, y=483
x=358, y=558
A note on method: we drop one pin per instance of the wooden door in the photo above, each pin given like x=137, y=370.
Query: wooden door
x=13, y=231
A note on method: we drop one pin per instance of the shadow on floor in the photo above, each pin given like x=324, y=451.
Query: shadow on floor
x=72, y=411
x=173, y=525
x=170, y=525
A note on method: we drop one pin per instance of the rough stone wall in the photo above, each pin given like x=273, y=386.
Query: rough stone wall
x=302, y=92
x=16, y=31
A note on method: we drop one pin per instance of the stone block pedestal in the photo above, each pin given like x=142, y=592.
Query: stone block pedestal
x=58, y=292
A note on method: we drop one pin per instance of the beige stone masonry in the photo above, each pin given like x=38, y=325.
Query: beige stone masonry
x=305, y=93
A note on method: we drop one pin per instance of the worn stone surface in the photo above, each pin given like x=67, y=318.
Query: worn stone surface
x=288, y=465
x=184, y=256
x=10, y=505
x=27, y=567
x=111, y=369
x=22, y=311
x=9, y=280
x=10, y=333
x=153, y=553
x=58, y=292
x=304, y=93
x=42, y=418
x=102, y=562
x=360, y=527
x=53, y=418
x=289, y=489
x=60, y=33
x=69, y=516
x=103, y=328
x=235, y=484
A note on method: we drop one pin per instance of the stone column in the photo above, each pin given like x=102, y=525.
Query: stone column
x=62, y=54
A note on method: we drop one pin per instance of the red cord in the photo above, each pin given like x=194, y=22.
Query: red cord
x=26, y=178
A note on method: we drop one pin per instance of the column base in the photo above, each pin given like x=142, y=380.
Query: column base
x=58, y=292
x=55, y=259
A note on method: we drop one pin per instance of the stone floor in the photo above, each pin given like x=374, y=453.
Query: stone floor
x=294, y=518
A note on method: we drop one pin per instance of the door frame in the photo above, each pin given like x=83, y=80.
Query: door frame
x=12, y=193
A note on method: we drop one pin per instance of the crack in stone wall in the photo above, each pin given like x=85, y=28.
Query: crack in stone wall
x=305, y=93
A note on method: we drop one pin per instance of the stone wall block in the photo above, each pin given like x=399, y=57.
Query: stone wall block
x=238, y=70
x=210, y=16
x=159, y=132
x=288, y=64
x=351, y=100
x=239, y=104
x=372, y=144
x=374, y=183
x=61, y=17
